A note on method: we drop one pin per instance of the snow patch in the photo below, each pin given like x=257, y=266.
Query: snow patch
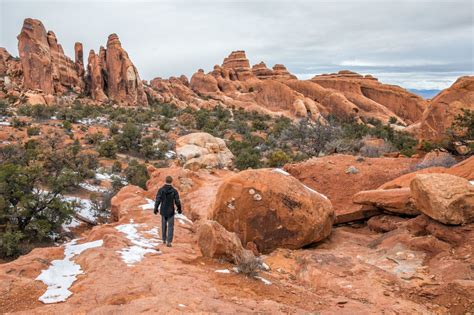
x=93, y=188
x=472, y=182
x=5, y=123
x=141, y=245
x=170, y=154
x=150, y=205
x=222, y=271
x=62, y=273
x=265, y=281
x=281, y=171
x=85, y=208
x=74, y=223
x=183, y=219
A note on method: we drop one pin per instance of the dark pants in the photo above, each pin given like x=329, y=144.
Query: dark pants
x=167, y=229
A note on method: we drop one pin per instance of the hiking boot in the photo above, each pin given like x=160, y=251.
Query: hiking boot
x=168, y=244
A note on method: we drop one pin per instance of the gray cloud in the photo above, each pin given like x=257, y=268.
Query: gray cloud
x=416, y=44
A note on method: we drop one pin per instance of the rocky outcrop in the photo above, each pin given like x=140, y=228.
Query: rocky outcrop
x=123, y=82
x=392, y=200
x=443, y=109
x=201, y=150
x=279, y=72
x=202, y=83
x=370, y=95
x=238, y=66
x=216, y=242
x=35, y=56
x=95, y=79
x=445, y=198
x=45, y=67
x=464, y=169
x=79, y=59
x=272, y=209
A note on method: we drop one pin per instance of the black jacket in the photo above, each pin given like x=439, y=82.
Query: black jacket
x=167, y=196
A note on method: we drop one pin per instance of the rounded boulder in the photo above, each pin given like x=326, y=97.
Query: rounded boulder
x=272, y=209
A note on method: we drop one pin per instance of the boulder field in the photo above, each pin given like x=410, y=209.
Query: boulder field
x=413, y=264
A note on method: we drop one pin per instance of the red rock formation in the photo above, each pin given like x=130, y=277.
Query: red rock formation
x=203, y=83
x=373, y=96
x=79, y=59
x=65, y=75
x=45, y=67
x=279, y=72
x=239, y=66
x=96, y=82
x=442, y=109
x=35, y=56
x=123, y=82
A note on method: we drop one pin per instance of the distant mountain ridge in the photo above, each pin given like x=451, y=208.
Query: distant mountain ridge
x=426, y=94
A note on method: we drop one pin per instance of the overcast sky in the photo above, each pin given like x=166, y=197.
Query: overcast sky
x=415, y=44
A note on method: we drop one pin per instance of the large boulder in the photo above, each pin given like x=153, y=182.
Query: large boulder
x=272, y=209
x=201, y=150
x=445, y=198
x=393, y=200
x=216, y=242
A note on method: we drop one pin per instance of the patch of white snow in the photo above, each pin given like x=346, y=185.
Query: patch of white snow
x=222, y=271
x=62, y=273
x=281, y=171
x=265, y=281
x=183, y=219
x=141, y=245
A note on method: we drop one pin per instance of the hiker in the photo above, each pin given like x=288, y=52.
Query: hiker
x=167, y=196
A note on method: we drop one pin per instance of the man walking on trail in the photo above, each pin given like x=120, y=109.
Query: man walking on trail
x=168, y=197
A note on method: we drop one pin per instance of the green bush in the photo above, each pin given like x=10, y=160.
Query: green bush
x=117, y=167
x=26, y=211
x=67, y=125
x=137, y=174
x=129, y=139
x=108, y=149
x=278, y=158
x=33, y=131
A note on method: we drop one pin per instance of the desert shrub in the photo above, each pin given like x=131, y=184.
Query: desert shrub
x=342, y=145
x=137, y=174
x=147, y=148
x=129, y=139
x=278, y=158
x=94, y=138
x=114, y=129
x=462, y=129
x=38, y=111
x=393, y=120
x=18, y=123
x=311, y=137
x=33, y=131
x=67, y=125
x=108, y=149
x=249, y=265
x=117, y=167
x=442, y=160
x=4, y=109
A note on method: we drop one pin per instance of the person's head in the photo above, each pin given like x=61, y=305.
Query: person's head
x=169, y=180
